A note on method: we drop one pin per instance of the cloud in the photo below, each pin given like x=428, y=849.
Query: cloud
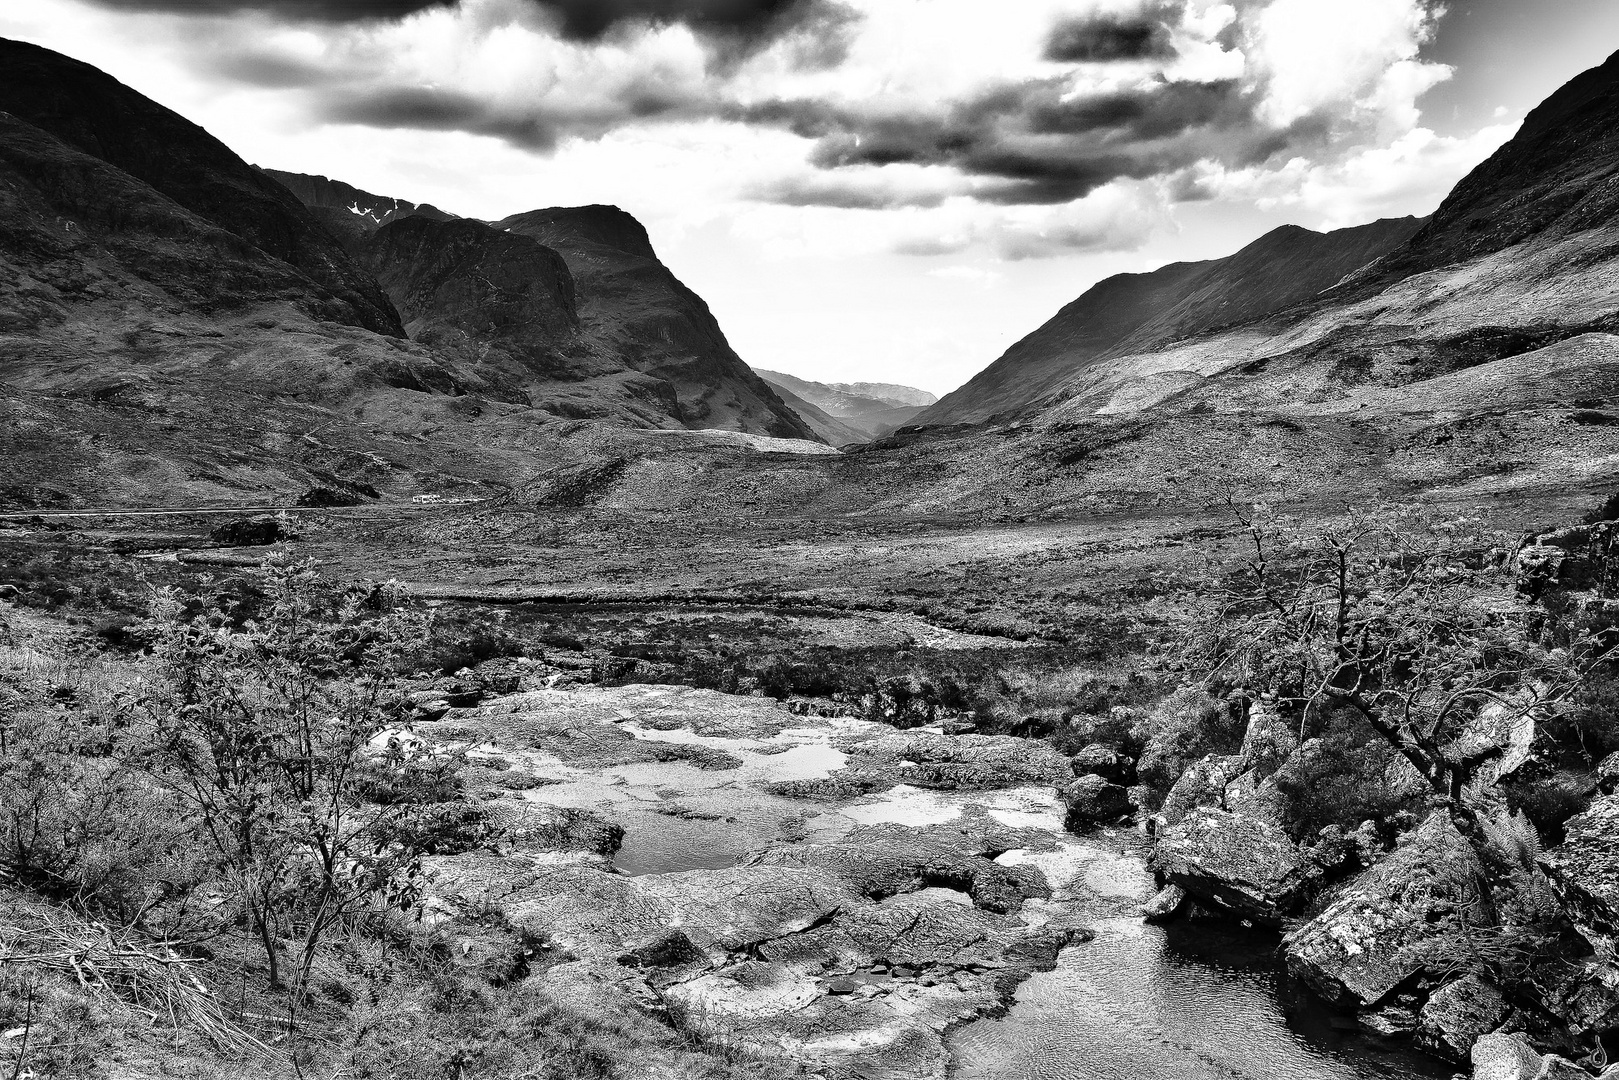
x=327, y=11
x=1001, y=129
x=1106, y=37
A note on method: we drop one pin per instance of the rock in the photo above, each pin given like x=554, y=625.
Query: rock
x=1584, y=872
x=1457, y=1015
x=667, y=949
x=1395, y=1019
x=1104, y=761
x=1202, y=784
x=1608, y=774
x=841, y=986
x=248, y=532
x=1165, y=904
x=10, y=592
x=1269, y=739
x=1091, y=800
x=1365, y=943
x=1236, y=864
x=878, y=867
x=1508, y=1056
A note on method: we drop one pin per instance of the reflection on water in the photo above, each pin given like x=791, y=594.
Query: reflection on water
x=1190, y=1002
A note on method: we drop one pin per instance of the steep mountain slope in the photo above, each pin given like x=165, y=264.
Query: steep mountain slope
x=1129, y=313
x=870, y=409
x=636, y=314
x=95, y=114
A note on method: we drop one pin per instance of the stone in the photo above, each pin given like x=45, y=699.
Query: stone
x=1389, y=1021
x=1269, y=739
x=841, y=986
x=1508, y=1056
x=10, y=592
x=1364, y=943
x=1101, y=760
x=1584, y=872
x=1608, y=774
x=1236, y=865
x=1165, y=904
x=1202, y=784
x=1091, y=800
x=1457, y=1014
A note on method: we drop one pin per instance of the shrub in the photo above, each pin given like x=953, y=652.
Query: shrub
x=1183, y=728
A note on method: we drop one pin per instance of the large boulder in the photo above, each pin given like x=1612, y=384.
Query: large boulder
x=1236, y=864
x=1371, y=938
x=1584, y=872
x=1508, y=1056
x=1091, y=800
x=1458, y=1014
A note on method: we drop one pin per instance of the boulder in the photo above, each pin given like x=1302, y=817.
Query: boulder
x=1457, y=1015
x=1202, y=784
x=1584, y=872
x=1269, y=739
x=1165, y=904
x=10, y=592
x=1104, y=761
x=1368, y=940
x=1608, y=774
x=1091, y=800
x=1236, y=864
x=1508, y=1056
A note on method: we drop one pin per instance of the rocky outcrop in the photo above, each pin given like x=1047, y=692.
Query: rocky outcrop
x=1098, y=759
x=1368, y=941
x=1236, y=864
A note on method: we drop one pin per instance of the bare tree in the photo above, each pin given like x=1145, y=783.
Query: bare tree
x=1406, y=624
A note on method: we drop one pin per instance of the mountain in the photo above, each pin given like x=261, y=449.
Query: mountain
x=349, y=213
x=1131, y=313
x=871, y=410
x=176, y=326
x=90, y=112
x=639, y=321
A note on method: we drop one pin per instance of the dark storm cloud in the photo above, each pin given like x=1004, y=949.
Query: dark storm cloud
x=332, y=11
x=827, y=190
x=579, y=20
x=1035, y=145
x=440, y=110
x=1106, y=38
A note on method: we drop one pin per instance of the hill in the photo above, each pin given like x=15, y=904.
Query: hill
x=1131, y=313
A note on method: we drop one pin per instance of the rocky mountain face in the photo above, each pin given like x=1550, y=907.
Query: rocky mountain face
x=869, y=410
x=350, y=214
x=637, y=319
x=1131, y=313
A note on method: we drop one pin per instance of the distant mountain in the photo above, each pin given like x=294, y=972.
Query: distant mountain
x=1132, y=313
x=872, y=410
x=833, y=431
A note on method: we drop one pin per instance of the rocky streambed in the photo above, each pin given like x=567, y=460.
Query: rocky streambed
x=864, y=901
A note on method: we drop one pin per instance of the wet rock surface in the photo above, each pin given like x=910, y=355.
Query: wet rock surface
x=868, y=890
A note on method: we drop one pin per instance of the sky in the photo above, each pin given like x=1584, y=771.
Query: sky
x=866, y=190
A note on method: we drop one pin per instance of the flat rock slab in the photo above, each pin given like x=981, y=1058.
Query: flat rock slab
x=1584, y=870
